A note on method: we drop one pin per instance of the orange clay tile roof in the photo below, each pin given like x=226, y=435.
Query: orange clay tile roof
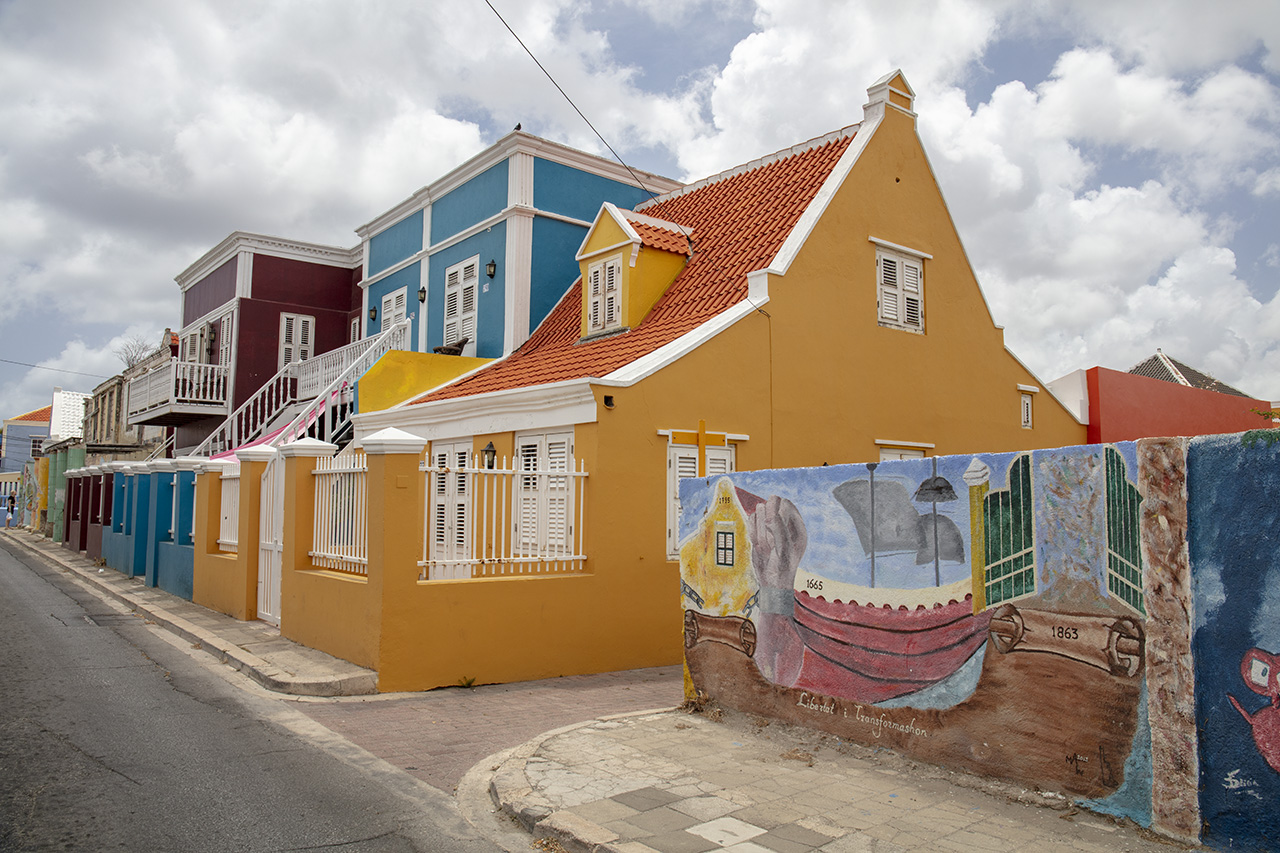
x=739, y=221
x=38, y=415
x=659, y=234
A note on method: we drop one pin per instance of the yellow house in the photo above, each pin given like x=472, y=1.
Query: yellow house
x=813, y=306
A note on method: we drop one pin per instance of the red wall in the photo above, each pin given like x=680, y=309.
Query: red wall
x=217, y=288
x=298, y=282
x=1124, y=407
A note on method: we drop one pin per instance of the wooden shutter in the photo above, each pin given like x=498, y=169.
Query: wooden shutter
x=461, y=288
x=297, y=338
x=451, y=508
x=224, y=341
x=393, y=308
x=889, y=289
x=912, y=294
x=595, y=319
x=682, y=464
x=527, y=493
x=612, y=308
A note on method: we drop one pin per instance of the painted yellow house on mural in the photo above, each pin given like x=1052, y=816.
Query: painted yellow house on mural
x=813, y=306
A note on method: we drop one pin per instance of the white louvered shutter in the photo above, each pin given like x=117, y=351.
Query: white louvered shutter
x=451, y=509
x=682, y=464
x=393, y=307
x=528, y=489
x=224, y=341
x=612, y=308
x=889, y=309
x=595, y=319
x=912, y=295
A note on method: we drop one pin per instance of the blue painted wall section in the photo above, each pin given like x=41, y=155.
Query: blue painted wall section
x=554, y=269
x=490, y=244
x=572, y=192
x=392, y=245
x=483, y=196
x=1234, y=494
x=409, y=278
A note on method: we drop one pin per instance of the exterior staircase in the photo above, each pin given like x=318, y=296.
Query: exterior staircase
x=311, y=398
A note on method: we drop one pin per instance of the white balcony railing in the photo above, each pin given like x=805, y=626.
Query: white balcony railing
x=178, y=383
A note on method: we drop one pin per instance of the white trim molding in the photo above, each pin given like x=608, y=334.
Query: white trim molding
x=888, y=442
x=897, y=247
x=558, y=404
x=262, y=244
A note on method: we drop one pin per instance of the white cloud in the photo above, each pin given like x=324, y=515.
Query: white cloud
x=1092, y=203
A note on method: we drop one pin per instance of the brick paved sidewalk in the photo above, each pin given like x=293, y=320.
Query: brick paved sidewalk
x=674, y=783
x=438, y=736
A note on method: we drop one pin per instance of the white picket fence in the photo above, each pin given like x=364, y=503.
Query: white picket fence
x=503, y=521
x=229, y=523
x=340, y=539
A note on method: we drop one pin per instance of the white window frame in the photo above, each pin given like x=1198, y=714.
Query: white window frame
x=888, y=454
x=450, y=533
x=461, y=304
x=1026, y=410
x=682, y=464
x=394, y=307
x=297, y=341
x=224, y=340
x=543, y=522
x=355, y=330
x=604, y=296
x=899, y=290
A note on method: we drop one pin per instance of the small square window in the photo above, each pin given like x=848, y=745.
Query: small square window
x=724, y=548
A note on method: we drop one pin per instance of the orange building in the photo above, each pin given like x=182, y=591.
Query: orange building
x=813, y=306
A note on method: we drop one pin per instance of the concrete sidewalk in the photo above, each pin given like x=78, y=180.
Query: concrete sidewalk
x=650, y=782
x=672, y=782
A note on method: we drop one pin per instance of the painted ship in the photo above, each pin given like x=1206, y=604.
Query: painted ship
x=879, y=642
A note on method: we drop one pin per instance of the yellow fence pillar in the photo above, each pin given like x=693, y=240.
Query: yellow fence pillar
x=395, y=547
x=298, y=486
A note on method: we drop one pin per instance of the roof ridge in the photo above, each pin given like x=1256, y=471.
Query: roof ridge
x=1173, y=367
x=782, y=154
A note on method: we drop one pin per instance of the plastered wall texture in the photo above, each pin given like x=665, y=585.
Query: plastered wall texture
x=1022, y=615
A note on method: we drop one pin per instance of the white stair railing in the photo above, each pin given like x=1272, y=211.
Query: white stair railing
x=247, y=422
x=296, y=382
x=331, y=409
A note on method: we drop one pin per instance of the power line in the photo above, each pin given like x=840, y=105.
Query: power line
x=651, y=193
x=54, y=369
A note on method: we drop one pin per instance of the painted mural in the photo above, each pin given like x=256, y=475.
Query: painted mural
x=979, y=611
x=1234, y=496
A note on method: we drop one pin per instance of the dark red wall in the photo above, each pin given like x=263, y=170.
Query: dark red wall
x=217, y=288
x=1124, y=407
x=298, y=282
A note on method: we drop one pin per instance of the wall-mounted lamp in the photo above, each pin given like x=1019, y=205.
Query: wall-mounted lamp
x=373, y=313
x=489, y=456
x=491, y=268
x=422, y=294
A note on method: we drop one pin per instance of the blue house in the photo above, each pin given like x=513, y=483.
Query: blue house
x=483, y=253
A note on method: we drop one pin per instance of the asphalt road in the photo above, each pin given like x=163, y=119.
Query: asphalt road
x=115, y=736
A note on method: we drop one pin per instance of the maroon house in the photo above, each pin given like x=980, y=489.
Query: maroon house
x=250, y=306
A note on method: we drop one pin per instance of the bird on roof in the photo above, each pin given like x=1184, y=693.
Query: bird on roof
x=517, y=127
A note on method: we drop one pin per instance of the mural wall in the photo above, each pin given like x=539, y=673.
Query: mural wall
x=985, y=612
x=1234, y=497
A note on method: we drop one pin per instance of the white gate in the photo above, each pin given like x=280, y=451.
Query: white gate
x=270, y=544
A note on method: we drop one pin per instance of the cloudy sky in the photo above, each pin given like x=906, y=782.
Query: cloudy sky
x=1113, y=168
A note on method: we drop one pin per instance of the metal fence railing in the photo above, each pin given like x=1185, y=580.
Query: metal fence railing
x=340, y=532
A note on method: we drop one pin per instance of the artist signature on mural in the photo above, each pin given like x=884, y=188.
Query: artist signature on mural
x=1234, y=783
x=881, y=724
x=1076, y=760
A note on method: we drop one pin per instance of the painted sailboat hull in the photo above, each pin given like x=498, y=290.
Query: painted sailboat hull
x=873, y=652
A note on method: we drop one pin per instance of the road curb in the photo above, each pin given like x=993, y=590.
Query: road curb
x=513, y=795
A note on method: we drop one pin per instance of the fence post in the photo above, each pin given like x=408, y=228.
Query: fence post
x=298, y=484
x=395, y=543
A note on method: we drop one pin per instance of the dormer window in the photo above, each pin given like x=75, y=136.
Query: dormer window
x=604, y=302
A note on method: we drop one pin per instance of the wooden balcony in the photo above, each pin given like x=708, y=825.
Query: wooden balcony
x=178, y=393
